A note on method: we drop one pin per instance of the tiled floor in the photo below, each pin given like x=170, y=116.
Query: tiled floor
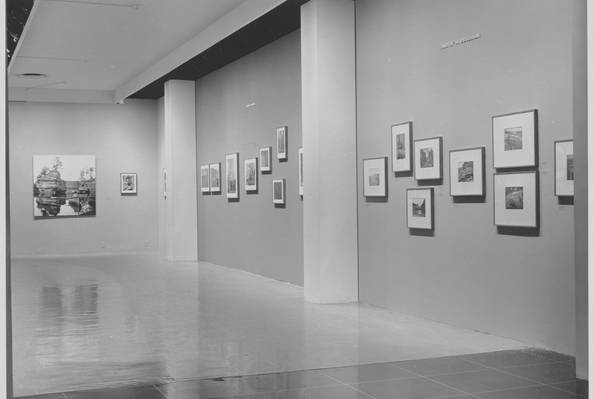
x=513, y=374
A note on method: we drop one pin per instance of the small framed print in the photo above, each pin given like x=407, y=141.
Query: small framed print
x=231, y=175
x=564, y=172
x=467, y=172
x=300, y=171
x=204, y=179
x=419, y=208
x=128, y=183
x=278, y=191
x=215, y=177
x=428, y=159
x=515, y=140
x=281, y=143
x=402, y=147
x=375, y=181
x=265, y=159
x=250, y=168
x=516, y=199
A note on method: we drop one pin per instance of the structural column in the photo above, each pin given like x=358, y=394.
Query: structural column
x=179, y=188
x=329, y=147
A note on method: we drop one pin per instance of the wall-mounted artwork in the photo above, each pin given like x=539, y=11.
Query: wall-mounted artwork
x=215, y=177
x=564, y=172
x=204, y=179
x=128, y=183
x=265, y=159
x=428, y=159
x=402, y=147
x=231, y=175
x=419, y=208
x=375, y=181
x=250, y=169
x=516, y=199
x=467, y=172
x=64, y=186
x=278, y=191
x=281, y=143
x=301, y=171
x=515, y=140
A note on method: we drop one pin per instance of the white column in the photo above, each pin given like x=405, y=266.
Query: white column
x=181, y=227
x=329, y=148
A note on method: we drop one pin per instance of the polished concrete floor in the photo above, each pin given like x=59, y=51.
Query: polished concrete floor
x=99, y=322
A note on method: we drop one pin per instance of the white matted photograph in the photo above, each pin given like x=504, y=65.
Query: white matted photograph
x=232, y=175
x=278, y=191
x=281, y=143
x=265, y=159
x=564, y=169
x=128, y=183
x=428, y=158
x=419, y=208
x=215, y=177
x=515, y=140
x=516, y=199
x=204, y=178
x=301, y=171
x=250, y=168
x=467, y=172
x=402, y=147
x=375, y=180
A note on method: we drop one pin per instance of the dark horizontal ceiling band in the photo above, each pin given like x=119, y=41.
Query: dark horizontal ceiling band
x=271, y=26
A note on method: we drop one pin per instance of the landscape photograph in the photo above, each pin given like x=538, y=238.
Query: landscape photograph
x=512, y=138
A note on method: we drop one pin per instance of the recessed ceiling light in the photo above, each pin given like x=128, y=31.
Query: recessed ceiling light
x=31, y=75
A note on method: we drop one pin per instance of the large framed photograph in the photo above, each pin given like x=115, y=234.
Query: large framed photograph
x=128, y=183
x=515, y=140
x=564, y=172
x=250, y=168
x=204, y=178
x=375, y=181
x=231, y=175
x=516, y=199
x=215, y=177
x=278, y=191
x=265, y=159
x=300, y=171
x=428, y=158
x=64, y=186
x=419, y=208
x=467, y=172
x=281, y=143
x=402, y=147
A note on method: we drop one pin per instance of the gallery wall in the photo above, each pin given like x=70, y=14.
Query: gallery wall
x=238, y=109
x=123, y=138
x=467, y=274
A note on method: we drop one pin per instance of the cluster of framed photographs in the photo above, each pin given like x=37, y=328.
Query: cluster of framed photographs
x=210, y=174
x=515, y=181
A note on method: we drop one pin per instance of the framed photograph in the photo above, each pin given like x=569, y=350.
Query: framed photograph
x=281, y=143
x=64, y=186
x=204, y=178
x=402, y=147
x=265, y=159
x=419, y=208
x=428, y=159
x=231, y=175
x=516, y=199
x=250, y=169
x=301, y=171
x=215, y=177
x=564, y=172
x=128, y=183
x=515, y=140
x=467, y=172
x=375, y=179
x=278, y=191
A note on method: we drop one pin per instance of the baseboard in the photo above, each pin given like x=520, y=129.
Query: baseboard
x=83, y=255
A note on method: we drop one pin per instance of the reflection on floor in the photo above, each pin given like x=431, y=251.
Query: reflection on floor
x=525, y=374
x=117, y=321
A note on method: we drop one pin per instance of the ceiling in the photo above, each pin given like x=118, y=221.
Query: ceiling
x=131, y=47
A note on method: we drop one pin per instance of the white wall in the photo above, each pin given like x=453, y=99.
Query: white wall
x=123, y=138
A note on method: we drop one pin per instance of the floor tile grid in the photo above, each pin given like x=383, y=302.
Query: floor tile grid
x=349, y=385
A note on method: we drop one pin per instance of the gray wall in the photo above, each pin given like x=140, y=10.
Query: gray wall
x=123, y=138
x=467, y=274
x=252, y=234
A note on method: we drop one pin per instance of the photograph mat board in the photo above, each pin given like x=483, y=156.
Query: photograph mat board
x=128, y=183
x=204, y=178
x=467, y=172
x=215, y=177
x=231, y=175
x=265, y=159
x=401, y=147
x=251, y=174
x=278, y=191
x=515, y=139
x=374, y=177
x=419, y=208
x=281, y=142
x=516, y=199
x=428, y=162
x=564, y=168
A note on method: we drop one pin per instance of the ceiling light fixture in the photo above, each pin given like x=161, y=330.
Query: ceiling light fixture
x=31, y=75
x=134, y=6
